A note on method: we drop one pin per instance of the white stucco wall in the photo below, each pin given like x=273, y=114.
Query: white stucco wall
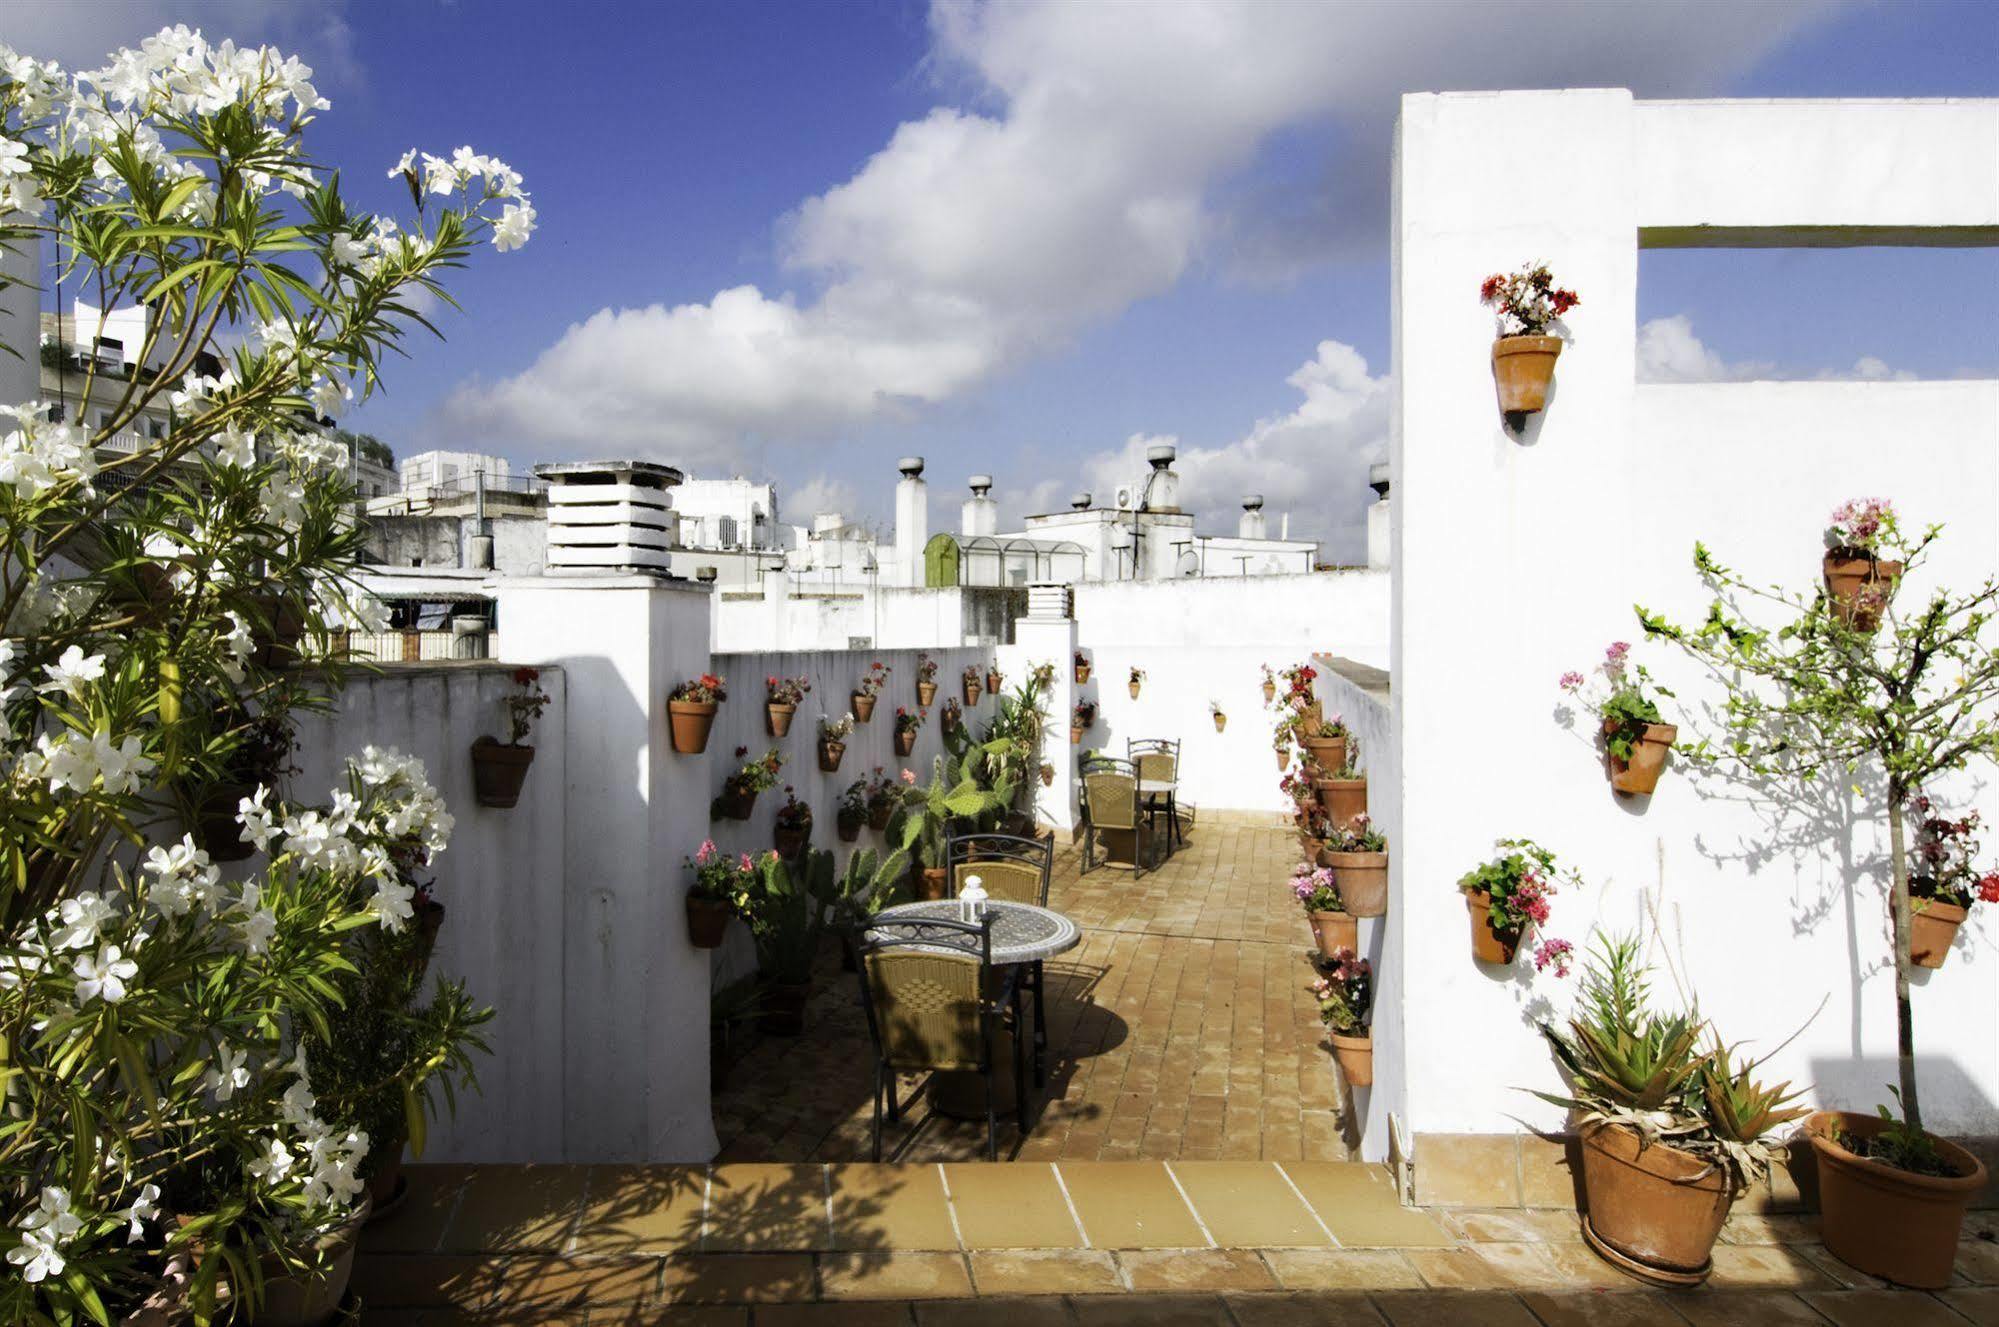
x=1517, y=557
x=20, y=326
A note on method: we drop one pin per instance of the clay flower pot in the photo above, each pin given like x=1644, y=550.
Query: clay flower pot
x=1221, y=722
x=736, y=801
x=1334, y=931
x=1648, y=759
x=1343, y=799
x=1522, y=368
x=707, y=921
x=778, y=718
x=971, y=691
x=1082, y=673
x=306, y=1298
x=1654, y=1212
x=1284, y=760
x=1328, y=753
x=1355, y=1057
x=830, y=753
x=1048, y=776
x=1933, y=926
x=1269, y=692
x=1075, y=734
x=788, y=843
x=864, y=707
x=690, y=722
x=1890, y=1223
x=784, y=1008
x=848, y=826
x=926, y=694
x=1133, y=688
x=878, y=817
x=1859, y=588
x=1489, y=945
x=935, y=884
x=905, y=741
x=498, y=770
x=993, y=681
x=1362, y=879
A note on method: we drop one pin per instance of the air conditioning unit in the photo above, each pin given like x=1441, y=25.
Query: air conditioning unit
x=1127, y=498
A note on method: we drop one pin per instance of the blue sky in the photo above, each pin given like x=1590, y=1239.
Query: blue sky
x=982, y=313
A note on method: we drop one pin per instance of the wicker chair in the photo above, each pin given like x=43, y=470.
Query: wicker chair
x=933, y=1006
x=1155, y=759
x=1110, y=803
x=1015, y=870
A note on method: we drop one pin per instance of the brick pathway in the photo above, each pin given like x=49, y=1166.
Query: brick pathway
x=1179, y=1029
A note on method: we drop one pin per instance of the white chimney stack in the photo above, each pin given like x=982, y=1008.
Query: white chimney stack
x=1251, y=525
x=912, y=521
x=980, y=514
x=1162, y=488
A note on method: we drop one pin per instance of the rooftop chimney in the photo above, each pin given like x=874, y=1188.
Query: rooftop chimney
x=1162, y=487
x=980, y=514
x=912, y=521
x=1251, y=523
x=610, y=516
x=1080, y=502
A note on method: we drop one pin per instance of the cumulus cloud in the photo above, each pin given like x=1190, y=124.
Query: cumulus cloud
x=821, y=493
x=1670, y=351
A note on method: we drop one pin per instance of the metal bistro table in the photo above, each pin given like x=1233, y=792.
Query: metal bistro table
x=1155, y=798
x=1022, y=933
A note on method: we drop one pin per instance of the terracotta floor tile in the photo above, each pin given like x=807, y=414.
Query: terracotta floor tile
x=1045, y=1272
x=1287, y=1310
x=1766, y=1267
x=423, y=1280
x=1770, y=1228
x=1516, y=1226
x=901, y=1275
x=1342, y=1269
x=1159, y=1271
x=1046, y=1311
x=1360, y=1206
x=1602, y=1308
x=1010, y=1207
x=1445, y=1308
x=1881, y=1308
x=1123, y=1206
x=737, y=1278
x=1248, y=1204
x=537, y=1281
x=1978, y=1261
x=766, y=1208
x=889, y=1207
x=1979, y=1304
x=846, y=1313
x=1150, y=1311
x=417, y=1224
x=1746, y=1308
x=639, y=1209
x=530, y=1208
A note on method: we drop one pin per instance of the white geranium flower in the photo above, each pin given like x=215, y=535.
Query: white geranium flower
x=104, y=976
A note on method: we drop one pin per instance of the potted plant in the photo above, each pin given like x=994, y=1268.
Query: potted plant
x=953, y=801
x=1858, y=581
x=870, y=686
x=1324, y=740
x=952, y=720
x=739, y=790
x=868, y=883
x=1508, y=896
x=852, y=812
x=1342, y=793
x=1528, y=304
x=782, y=697
x=882, y=799
x=499, y=768
x=690, y=712
x=1082, y=664
x=926, y=679
x=1082, y=720
x=1636, y=737
x=1810, y=699
x=1345, y=992
x=994, y=679
x=721, y=883
x=833, y=734
x=971, y=683
x=907, y=725
x=1943, y=883
x=1041, y=677
x=1671, y=1131
x=786, y=905
x=260, y=757
x=1333, y=927
x=1215, y=713
x=1136, y=681
x=1299, y=699
x=792, y=829
x=1047, y=775
x=1358, y=856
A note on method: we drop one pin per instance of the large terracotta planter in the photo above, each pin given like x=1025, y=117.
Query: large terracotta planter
x=971, y=691
x=778, y=718
x=1343, y=799
x=1890, y=1223
x=1334, y=931
x=1355, y=1057
x=1522, y=368
x=783, y=1012
x=926, y=694
x=1859, y=589
x=386, y=1187
x=1362, y=879
x=690, y=722
x=864, y=707
x=736, y=801
x=1648, y=759
x=1328, y=753
x=1933, y=926
x=1655, y=1211
x=830, y=754
x=849, y=826
x=707, y=921
x=905, y=741
x=306, y=1300
x=498, y=770
x=1489, y=945
x=935, y=884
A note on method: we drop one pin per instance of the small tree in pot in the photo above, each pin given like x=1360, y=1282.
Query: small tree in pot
x=499, y=768
x=785, y=906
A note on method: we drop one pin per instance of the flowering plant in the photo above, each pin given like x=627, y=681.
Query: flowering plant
x=794, y=814
x=1345, y=992
x=1327, y=727
x=1941, y=859
x=1086, y=713
x=1528, y=301
x=1215, y=708
x=525, y=705
x=759, y=774
x=1860, y=527
x=953, y=717
x=1270, y=681
x=836, y=730
x=1137, y=674
x=720, y=877
x=854, y=801
x=1618, y=698
x=1042, y=676
x=971, y=673
x=1082, y=660
x=786, y=690
x=908, y=721
x=1519, y=882
x=1315, y=888
x=1297, y=692
x=1357, y=835
x=926, y=667
x=995, y=676
x=873, y=680
x=706, y=689
x=883, y=795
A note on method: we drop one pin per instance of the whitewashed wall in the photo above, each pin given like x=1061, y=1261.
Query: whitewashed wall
x=1519, y=557
x=501, y=882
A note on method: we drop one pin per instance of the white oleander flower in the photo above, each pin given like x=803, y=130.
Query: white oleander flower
x=144, y=1208
x=259, y=823
x=103, y=976
x=511, y=231
x=82, y=918
x=230, y=1075
x=71, y=673
x=44, y=1232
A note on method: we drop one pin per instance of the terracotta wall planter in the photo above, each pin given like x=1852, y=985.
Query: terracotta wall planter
x=1362, y=879
x=690, y=722
x=784, y=1008
x=878, y=819
x=1887, y=1222
x=1648, y=759
x=1343, y=799
x=788, y=843
x=926, y=694
x=1334, y=931
x=1284, y=760
x=1133, y=688
x=830, y=754
x=1328, y=753
x=1488, y=945
x=1522, y=368
x=1048, y=776
x=1082, y=673
x=707, y=921
x=1355, y=1057
x=971, y=691
x=1859, y=589
x=778, y=718
x=736, y=802
x=905, y=741
x=1932, y=927
x=1654, y=1212
x=1269, y=692
x=498, y=770
x=993, y=682
x=1075, y=734
x=849, y=826
x=1221, y=722
x=864, y=707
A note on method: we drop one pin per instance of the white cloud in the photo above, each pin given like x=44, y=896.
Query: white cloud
x=821, y=493
x=1670, y=351
x=83, y=33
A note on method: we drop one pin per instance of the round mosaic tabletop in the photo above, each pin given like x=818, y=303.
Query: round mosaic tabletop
x=1022, y=933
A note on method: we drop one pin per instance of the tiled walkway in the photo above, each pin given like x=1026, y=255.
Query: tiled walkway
x=1180, y=1029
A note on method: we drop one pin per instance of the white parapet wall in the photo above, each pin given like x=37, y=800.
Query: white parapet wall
x=1518, y=556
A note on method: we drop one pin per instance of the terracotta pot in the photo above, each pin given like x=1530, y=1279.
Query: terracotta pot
x=778, y=718
x=1355, y=1057
x=864, y=707
x=878, y=817
x=1221, y=722
x=1522, y=367
x=1859, y=588
x=1487, y=944
x=707, y=921
x=1343, y=799
x=1312, y=713
x=971, y=691
x=1932, y=927
x=784, y=1008
x=1648, y=759
x=304, y=1299
x=498, y=770
x=849, y=826
x=736, y=802
x=993, y=681
x=1082, y=673
x=1284, y=759
x=830, y=754
x=1362, y=879
x=385, y=1178
x=1075, y=734
x=1328, y=753
x=935, y=884
x=926, y=694
x=1334, y=931
x=216, y=829
x=1269, y=692
x=905, y=741
x=788, y=843
x=1132, y=687
x=1656, y=1207
x=1048, y=776
x=1890, y=1223
x=690, y=721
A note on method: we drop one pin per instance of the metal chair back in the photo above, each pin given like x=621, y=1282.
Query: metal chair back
x=1156, y=759
x=1010, y=868
x=1110, y=797
x=924, y=984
